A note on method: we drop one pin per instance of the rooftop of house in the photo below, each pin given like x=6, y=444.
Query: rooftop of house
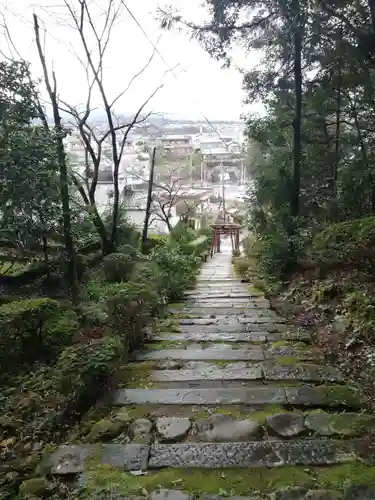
x=176, y=137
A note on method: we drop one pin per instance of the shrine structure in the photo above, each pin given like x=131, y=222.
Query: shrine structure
x=224, y=226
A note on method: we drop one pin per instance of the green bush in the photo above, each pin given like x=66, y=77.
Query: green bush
x=33, y=329
x=178, y=271
x=351, y=242
x=241, y=264
x=70, y=384
x=117, y=267
x=129, y=310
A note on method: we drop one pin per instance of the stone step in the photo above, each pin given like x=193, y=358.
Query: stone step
x=235, y=336
x=317, y=452
x=223, y=353
x=214, y=337
x=211, y=372
x=322, y=396
x=248, y=311
x=215, y=328
x=355, y=492
x=244, y=371
x=70, y=460
x=208, y=295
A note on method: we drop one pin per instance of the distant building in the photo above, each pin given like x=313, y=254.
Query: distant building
x=177, y=145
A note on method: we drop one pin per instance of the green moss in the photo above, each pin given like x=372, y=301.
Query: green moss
x=137, y=375
x=341, y=476
x=37, y=487
x=219, y=481
x=176, y=305
x=238, y=413
x=287, y=343
x=340, y=395
x=287, y=361
x=256, y=291
x=352, y=424
x=106, y=429
x=182, y=316
x=167, y=344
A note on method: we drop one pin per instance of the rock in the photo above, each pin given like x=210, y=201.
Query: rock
x=320, y=495
x=287, y=424
x=289, y=494
x=123, y=415
x=223, y=428
x=359, y=493
x=343, y=424
x=170, y=495
x=37, y=487
x=105, y=430
x=254, y=396
x=70, y=460
x=168, y=365
x=351, y=424
x=172, y=429
x=141, y=431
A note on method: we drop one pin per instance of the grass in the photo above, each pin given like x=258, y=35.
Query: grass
x=135, y=375
x=228, y=482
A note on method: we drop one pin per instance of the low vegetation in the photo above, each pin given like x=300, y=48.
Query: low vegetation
x=57, y=360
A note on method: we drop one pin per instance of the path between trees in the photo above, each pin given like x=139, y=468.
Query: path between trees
x=229, y=400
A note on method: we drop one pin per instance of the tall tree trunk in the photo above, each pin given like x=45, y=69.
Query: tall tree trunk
x=149, y=199
x=64, y=185
x=297, y=148
x=371, y=4
x=337, y=131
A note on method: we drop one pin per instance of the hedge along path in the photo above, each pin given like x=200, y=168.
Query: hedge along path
x=228, y=401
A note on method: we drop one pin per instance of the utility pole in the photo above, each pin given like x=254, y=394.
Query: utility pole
x=149, y=199
x=223, y=188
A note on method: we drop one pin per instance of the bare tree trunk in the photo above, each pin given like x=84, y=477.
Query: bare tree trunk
x=371, y=4
x=64, y=186
x=149, y=199
x=297, y=148
x=45, y=254
x=338, y=119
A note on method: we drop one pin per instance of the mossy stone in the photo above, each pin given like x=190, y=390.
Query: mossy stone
x=123, y=415
x=351, y=424
x=106, y=429
x=37, y=487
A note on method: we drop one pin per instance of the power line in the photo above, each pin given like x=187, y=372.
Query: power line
x=174, y=74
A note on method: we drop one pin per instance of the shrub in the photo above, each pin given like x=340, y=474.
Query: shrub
x=30, y=331
x=70, y=384
x=117, y=267
x=129, y=310
x=241, y=264
x=178, y=271
x=346, y=242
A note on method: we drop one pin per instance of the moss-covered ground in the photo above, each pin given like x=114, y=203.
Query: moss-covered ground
x=228, y=482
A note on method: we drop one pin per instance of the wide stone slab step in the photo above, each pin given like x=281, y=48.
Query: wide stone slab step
x=207, y=295
x=331, y=396
x=254, y=353
x=245, y=371
x=210, y=373
x=213, y=337
x=293, y=493
x=255, y=396
x=68, y=460
x=240, y=310
x=317, y=452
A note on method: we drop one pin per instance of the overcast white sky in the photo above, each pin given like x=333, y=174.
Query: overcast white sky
x=202, y=84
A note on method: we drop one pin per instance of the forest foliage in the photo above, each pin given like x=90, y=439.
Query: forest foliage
x=313, y=150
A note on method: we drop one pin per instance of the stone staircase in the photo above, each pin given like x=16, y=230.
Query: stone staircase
x=228, y=400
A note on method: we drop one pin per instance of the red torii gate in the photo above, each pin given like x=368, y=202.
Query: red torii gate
x=227, y=229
